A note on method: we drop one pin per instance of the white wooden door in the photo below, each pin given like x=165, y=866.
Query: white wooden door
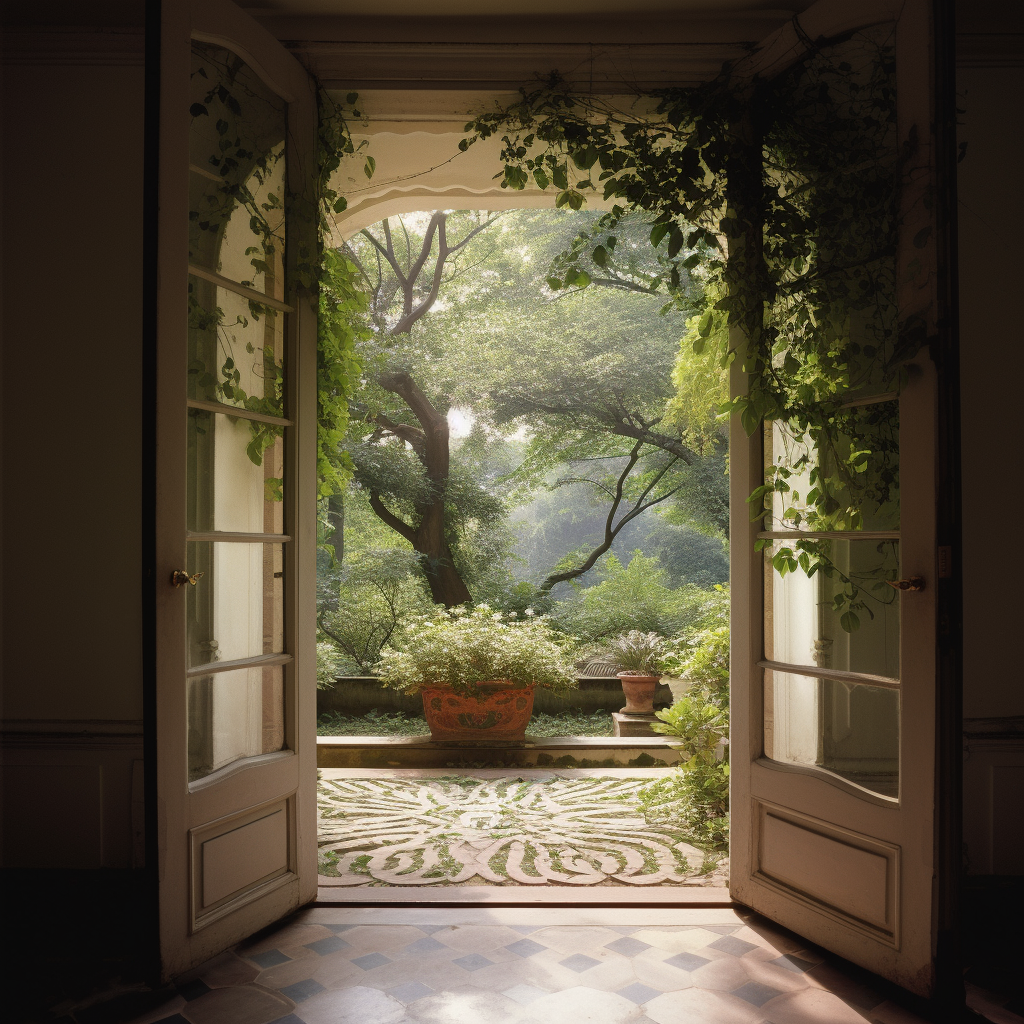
x=833, y=735
x=236, y=483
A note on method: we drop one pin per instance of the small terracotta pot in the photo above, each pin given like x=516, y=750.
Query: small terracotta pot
x=639, y=691
x=498, y=711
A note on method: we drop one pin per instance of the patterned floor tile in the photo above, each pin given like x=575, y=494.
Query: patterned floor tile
x=687, y=961
x=755, y=993
x=332, y=944
x=269, y=958
x=525, y=994
x=330, y=971
x=660, y=975
x=302, y=990
x=526, y=947
x=627, y=946
x=697, y=1006
x=354, y=1005
x=792, y=962
x=226, y=970
x=484, y=967
x=293, y=934
x=422, y=947
x=677, y=940
x=467, y=1005
x=478, y=938
x=811, y=1006
x=638, y=993
x=381, y=938
x=473, y=962
x=574, y=938
x=244, y=1004
x=732, y=945
x=583, y=1004
x=579, y=962
x=723, y=975
x=410, y=991
x=371, y=960
x=830, y=978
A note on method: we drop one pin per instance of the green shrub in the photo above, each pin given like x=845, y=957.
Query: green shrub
x=638, y=596
x=362, y=602
x=460, y=648
x=695, y=797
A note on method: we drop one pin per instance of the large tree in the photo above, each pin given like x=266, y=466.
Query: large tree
x=404, y=278
x=583, y=377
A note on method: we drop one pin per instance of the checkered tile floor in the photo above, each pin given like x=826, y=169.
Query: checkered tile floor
x=526, y=966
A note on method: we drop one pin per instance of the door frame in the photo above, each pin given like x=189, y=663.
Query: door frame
x=950, y=655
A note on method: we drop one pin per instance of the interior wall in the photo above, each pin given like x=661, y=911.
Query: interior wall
x=72, y=413
x=991, y=218
x=990, y=86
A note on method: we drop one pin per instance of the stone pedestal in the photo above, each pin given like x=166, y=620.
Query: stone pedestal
x=633, y=725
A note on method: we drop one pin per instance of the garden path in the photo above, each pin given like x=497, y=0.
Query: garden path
x=518, y=827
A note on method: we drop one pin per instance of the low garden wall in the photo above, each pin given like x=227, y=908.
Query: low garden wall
x=356, y=695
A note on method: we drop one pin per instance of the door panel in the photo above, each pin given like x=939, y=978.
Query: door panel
x=833, y=771
x=236, y=484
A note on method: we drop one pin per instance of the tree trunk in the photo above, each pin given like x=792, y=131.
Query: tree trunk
x=430, y=442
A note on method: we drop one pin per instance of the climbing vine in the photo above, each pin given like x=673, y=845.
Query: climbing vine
x=238, y=158
x=780, y=196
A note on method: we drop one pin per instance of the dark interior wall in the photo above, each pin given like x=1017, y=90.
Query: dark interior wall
x=72, y=413
x=991, y=216
x=990, y=85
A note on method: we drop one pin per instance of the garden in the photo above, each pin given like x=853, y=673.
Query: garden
x=533, y=531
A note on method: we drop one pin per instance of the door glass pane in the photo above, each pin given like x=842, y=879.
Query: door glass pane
x=237, y=172
x=845, y=616
x=235, y=474
x=847, y=481
x=235, y=349
x=850, y=730
x=232, y=715
x=237, y=609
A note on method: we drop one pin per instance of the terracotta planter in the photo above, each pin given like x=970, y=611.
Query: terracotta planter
x=498, y=711
x=639, y=691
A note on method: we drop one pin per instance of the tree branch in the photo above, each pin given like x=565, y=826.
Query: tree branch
x=412, y=435
x=386, y=516
x=609, y=530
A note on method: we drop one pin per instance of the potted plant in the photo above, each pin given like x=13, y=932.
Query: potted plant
x=477, y=670
x=638, y=657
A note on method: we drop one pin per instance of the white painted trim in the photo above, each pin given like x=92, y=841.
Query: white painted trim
x=242, y=414
x=240, y=289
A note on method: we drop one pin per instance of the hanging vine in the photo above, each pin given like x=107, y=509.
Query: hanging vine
x=780, y=196
x=239, y=149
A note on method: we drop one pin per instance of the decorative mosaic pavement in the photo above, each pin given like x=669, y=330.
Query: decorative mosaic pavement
x=456, y=830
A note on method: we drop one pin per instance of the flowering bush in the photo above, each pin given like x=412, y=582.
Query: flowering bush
x=461, y=648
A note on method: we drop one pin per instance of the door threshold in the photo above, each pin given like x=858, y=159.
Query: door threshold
x=522, y=895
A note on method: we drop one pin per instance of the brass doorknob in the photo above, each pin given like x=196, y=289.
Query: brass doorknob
x=180, y=577
x=913, y=583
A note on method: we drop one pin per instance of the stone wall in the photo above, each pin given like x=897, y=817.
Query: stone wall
x=356, y=695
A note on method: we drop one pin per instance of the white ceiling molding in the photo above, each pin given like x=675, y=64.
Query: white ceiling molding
x=602, y=68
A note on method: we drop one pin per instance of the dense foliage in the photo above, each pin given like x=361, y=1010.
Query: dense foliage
x=696, y=795
x=460, y=648
x=781, y=196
